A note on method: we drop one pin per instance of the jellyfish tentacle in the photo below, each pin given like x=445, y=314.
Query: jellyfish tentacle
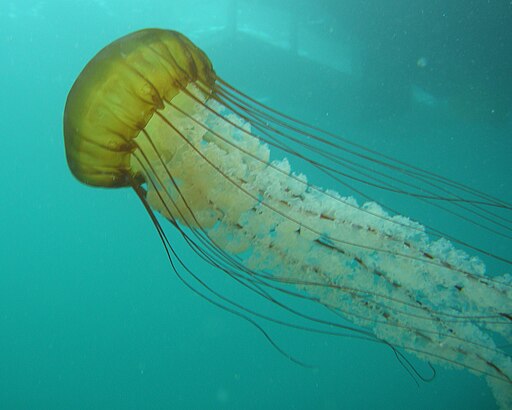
x=419, y=333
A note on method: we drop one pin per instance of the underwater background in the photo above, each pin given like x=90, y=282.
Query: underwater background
x=91, y=314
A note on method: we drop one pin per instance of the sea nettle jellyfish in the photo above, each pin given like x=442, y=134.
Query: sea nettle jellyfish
x=150, y=113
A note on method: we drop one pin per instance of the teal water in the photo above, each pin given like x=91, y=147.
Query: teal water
x=91, y=315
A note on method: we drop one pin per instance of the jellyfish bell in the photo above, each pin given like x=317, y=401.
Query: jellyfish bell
x=149, y=112
x=117, y=94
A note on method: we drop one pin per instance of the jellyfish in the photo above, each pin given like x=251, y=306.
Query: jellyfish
x=149, y=112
